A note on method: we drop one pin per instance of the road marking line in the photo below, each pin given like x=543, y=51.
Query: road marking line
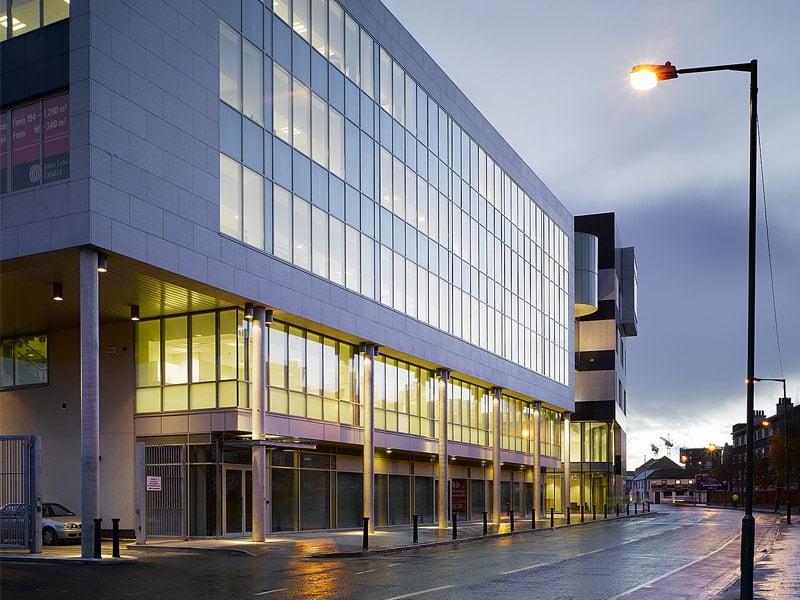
x=270, y=592
x=394, y=564
x=412, y=594
x=367, y=571
x=523, y=569
x=665, y=575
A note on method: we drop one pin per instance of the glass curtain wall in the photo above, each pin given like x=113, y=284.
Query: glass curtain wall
x=192, y=362
x=346, y=167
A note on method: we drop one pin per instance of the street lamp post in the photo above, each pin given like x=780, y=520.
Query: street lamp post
x=785, y=403
x=644, y=77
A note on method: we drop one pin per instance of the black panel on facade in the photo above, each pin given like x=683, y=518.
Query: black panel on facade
x=34, y=64
x=602, y=226
x=597, y=360
x=603, y=410
x=606, y=310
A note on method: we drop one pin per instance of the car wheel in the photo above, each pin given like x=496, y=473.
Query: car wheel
x=49, y=537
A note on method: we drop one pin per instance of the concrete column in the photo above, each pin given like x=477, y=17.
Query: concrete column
x=565, y=460
x=497, y=420
x=369, y=351
x=90, y=397
x=442, y=376
x=258, y=414
x=537, y=463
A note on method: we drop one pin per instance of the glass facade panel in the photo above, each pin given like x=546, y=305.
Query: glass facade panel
x=230, y=66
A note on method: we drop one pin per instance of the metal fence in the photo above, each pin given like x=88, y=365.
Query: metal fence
x=166, y=491
x=20, y=492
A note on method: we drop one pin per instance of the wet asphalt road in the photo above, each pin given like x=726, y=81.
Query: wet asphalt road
x=676, y=553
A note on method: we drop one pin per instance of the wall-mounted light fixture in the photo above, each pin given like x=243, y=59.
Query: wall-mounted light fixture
x=134, y=312
x=248, y=311
x=102, y=262
x=58, y=292
x=268, y=318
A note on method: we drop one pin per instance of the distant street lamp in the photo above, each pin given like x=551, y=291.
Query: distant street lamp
x=645, y=77
x=785, y=403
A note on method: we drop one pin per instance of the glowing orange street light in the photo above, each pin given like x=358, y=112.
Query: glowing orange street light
x=645, y=77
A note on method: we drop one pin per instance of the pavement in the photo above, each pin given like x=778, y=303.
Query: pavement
x=776, y=573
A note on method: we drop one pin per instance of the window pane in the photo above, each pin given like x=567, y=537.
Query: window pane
x=297, y=359
x=204, y=347
x=230, y=199
x=227, y=344
x=300, y=21
x=281, y=8
x=319, y=26
x=313, y=363
x=278, y=349
x=367, y=78
x=351, y=31
x=230, y=66
x=336, y=143
x=301, y=117
x=336, y=35
x=353, y=254
x=385, y=81
x=176, y=364
x=281, y=103
x=337, y=251
x=54, y=10
x=398, y=93
x=253, y=209
x=7, y=364
x=301, y=229
x=367, y=267
x=411, y=105
x=319, y=130
x=253, y=83
x=282, y=220
x=319, y=237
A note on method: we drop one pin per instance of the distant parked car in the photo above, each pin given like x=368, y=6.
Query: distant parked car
x=58, y=522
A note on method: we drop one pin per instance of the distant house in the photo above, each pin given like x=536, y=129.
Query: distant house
x=662, y=481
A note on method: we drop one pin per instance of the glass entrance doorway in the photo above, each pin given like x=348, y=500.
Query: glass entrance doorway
x=236, y=509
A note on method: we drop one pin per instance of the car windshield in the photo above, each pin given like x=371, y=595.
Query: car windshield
x=57, y=510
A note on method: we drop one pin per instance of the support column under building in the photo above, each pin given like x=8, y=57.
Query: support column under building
x=565, y=492
x=258, y=408
x=497, y=398
x=537, y=463
x=370, y=351
x=442, y=376
x=90, y=397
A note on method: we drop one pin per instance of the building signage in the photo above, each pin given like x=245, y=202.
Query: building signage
x=153, y=483
x=460, y=495
x=3, y=153
x=26, y=146
x=55, y=139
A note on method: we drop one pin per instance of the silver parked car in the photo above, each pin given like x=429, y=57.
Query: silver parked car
x=58, y=522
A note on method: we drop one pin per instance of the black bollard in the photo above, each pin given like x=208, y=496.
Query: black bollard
x=97, y=538
x=455, y=526
x=605, y=511
x=552, y=518
x=582, y=515
x=618, y=510
x=115, y=538
x=511, y=519
x=628, y=508
x=415, y=538
x=485, y=523
x=594, y=513
x=533, y=519
x=365, y=543
x=569, y=519
x=636, y=508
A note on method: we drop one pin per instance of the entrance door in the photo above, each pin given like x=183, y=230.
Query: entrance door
x=236, y=509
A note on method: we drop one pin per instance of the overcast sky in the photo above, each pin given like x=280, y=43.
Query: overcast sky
x=551, y=76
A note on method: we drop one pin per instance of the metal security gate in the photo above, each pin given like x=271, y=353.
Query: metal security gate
x=20, y=492
x=166, y=490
